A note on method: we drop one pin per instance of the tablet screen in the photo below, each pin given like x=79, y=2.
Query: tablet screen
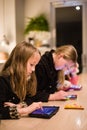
x=45, y=112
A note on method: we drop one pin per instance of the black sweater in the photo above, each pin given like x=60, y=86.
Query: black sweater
x=46, y=76
x=7, y=95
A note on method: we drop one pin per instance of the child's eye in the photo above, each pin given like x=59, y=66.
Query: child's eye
x=31, y=65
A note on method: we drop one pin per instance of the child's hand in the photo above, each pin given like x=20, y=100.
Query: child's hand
x=66, y=85
x=9, y=104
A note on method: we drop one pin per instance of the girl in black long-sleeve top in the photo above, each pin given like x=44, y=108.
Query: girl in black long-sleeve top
x=18, y=82
x=50, y=72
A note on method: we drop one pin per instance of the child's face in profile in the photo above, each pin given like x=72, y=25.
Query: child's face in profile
x=63, y=64
x=32, y=62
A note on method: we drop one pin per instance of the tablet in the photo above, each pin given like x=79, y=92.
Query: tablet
x=75, y=87
x=47, y=112
x=71, y=96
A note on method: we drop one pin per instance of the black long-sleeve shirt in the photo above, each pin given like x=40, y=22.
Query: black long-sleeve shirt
x=46, y=76
x=7, y=95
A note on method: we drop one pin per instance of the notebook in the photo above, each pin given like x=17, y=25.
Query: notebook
x=47, y=112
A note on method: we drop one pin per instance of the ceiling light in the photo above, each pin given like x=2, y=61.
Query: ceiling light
x=77, y=7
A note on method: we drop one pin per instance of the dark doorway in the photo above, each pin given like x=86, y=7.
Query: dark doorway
x=69, y=29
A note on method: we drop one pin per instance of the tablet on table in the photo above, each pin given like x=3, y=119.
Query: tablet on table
x=45, y=112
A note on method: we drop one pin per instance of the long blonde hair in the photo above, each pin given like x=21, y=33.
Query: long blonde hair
x=69, y=53
x=15, y=67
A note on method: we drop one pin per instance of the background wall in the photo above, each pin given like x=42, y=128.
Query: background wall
x=11, y=22
x=14, y=15
x=35, y=7
x=2, y=17
x=7, y=24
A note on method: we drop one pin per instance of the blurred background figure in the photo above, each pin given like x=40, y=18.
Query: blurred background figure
x=3, y=58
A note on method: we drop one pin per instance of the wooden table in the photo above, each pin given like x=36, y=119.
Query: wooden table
x=63, y=120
